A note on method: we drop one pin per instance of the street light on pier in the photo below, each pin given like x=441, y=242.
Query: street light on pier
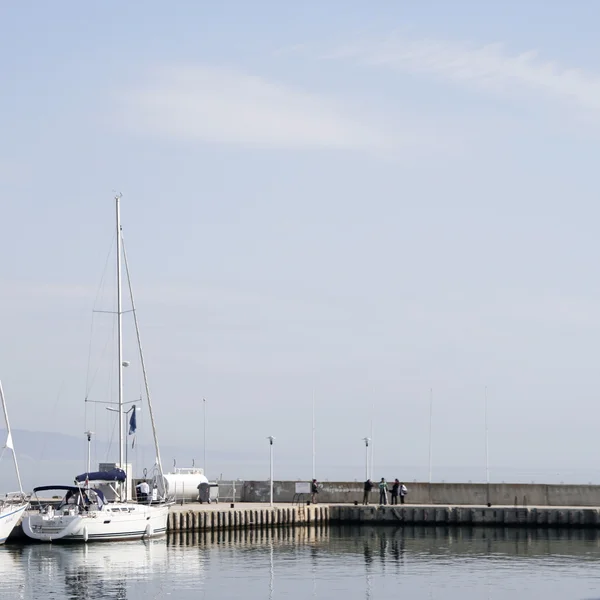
x=366, y=440
x=271, y=440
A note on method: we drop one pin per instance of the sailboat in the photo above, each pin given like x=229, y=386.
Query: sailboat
x=87, y=513
x=13, y=505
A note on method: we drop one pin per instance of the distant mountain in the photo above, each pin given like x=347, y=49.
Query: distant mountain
x=52, y=446
x=49, y=458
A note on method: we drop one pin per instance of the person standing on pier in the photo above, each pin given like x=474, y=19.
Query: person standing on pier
x=395, y=489
x=383, y=491
x=403, y=492
x=314, y=490
x=367, y=491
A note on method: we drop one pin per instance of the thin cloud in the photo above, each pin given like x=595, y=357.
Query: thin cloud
x=219, y=105
x=488, y=67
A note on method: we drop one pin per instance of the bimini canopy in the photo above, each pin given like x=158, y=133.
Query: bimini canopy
x=108, y=476
x=62, y=488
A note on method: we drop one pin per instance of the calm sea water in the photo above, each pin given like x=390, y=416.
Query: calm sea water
x=328, y=563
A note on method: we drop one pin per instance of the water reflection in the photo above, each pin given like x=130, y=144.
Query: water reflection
x=321, y=562
x=95, y=571
x=271, y=570
x=282, y=537
x=386, y=544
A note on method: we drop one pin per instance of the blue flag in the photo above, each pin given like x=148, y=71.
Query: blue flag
x=132, y=421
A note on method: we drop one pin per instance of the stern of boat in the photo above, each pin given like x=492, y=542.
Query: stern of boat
x=49, y=526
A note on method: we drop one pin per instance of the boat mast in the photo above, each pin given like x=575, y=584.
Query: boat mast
x=161, y=485
x=9, y=440
x=119, y=334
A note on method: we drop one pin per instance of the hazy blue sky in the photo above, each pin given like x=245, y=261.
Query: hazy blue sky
x=365, y=199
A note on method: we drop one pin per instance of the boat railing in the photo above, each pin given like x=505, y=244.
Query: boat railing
x=14, y=498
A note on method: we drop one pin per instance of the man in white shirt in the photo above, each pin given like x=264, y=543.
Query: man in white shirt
x=403, y=492
x=143, y=489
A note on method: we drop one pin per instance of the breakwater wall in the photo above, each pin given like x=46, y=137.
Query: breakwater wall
x=196, y=518
x=502, y=516
x=201, y=519
x=498, y=494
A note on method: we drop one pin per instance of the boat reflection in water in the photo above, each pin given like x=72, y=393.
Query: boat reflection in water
x=97, y=571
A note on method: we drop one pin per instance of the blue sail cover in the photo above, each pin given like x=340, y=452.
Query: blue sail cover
x=112, y=475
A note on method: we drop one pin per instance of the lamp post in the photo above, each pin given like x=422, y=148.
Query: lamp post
x=314, y=468
x=366, y=440
x=204, y=441
x=430, y=423
x=487, y=462
x=88, y=434
x=271, y=439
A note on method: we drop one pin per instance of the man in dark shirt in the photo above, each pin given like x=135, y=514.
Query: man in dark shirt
x=395, y=491
x=314, y=490
x=367, y=490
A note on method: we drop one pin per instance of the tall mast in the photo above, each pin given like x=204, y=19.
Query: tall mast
x=160, y=483
x=9, y=441
x=119, y=329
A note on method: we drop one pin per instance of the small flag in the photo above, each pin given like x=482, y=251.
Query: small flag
x=132, y=422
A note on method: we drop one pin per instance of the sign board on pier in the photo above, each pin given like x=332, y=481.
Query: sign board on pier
x=302, y=487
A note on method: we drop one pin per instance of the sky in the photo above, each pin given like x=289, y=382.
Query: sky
x=390, y=207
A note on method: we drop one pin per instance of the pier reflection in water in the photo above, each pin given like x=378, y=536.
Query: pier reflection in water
x=321, y=562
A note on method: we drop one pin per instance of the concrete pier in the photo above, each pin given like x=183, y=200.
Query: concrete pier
x=497, y=516
x=196, y=517
x=214, y=517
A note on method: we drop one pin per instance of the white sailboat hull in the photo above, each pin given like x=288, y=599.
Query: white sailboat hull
x=118, y=521
x=10, y=514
